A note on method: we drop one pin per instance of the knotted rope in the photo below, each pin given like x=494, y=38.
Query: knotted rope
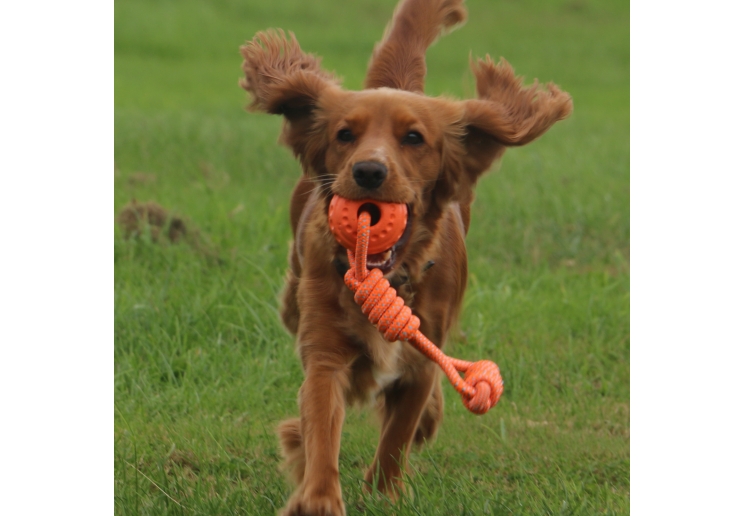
x=482, y=386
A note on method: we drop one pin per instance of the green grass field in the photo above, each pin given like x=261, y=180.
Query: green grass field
x=203, y=368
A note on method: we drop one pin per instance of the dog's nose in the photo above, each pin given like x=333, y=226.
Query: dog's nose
x=369, y=174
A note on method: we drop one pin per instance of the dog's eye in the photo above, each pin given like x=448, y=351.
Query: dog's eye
x=346, y=136
x=413, y=138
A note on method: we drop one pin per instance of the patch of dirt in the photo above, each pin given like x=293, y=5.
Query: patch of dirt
x=137, y=219
x=140, y=219
x=184, y=459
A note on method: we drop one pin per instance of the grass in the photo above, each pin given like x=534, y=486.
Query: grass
x=203, y=368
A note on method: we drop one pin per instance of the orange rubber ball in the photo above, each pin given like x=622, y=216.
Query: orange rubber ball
x=388, y=222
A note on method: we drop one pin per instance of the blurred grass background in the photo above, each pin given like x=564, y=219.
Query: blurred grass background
x=203, y=368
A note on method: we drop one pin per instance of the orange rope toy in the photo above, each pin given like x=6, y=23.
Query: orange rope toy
x=482, y=386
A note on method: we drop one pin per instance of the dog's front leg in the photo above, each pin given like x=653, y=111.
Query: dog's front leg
x=403, y=406
x=322, y=410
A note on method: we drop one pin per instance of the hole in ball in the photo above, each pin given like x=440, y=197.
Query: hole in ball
x=373, y=211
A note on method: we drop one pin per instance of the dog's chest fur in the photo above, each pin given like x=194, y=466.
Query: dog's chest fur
x=388, y=370
x=380, y=364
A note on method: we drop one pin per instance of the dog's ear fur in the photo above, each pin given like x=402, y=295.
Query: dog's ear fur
x=286, y=81
x=505, y=114
x=508, y=111
x=398, y=61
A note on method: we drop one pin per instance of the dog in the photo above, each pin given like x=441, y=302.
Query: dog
x=391, y=143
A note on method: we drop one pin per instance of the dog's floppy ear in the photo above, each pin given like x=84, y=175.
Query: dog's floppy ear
x=505, y=114
x=284, y=80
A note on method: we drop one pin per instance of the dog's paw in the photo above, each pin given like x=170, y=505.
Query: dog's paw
x=374, y=484
x=303, y=505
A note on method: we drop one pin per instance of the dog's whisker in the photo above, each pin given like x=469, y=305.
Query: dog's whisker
x=322, y=188
x=321, y=191
x=422, y=181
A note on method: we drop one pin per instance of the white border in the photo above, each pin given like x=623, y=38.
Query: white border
x=56, y=195
x=686, y=280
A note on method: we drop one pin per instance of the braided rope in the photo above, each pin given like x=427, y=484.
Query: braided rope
x=482, y=386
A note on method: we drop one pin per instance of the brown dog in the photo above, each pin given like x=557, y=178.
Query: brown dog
x=391, y=143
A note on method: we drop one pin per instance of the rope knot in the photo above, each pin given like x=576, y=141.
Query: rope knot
x=482, y=386
x=381, y=304
x=484, y=376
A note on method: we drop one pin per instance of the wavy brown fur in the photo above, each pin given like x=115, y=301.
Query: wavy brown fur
x=433, y=151
x=398, y=61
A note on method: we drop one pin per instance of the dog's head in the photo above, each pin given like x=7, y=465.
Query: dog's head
x=390, y=144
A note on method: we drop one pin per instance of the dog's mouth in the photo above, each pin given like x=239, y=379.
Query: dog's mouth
x=386, y=260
